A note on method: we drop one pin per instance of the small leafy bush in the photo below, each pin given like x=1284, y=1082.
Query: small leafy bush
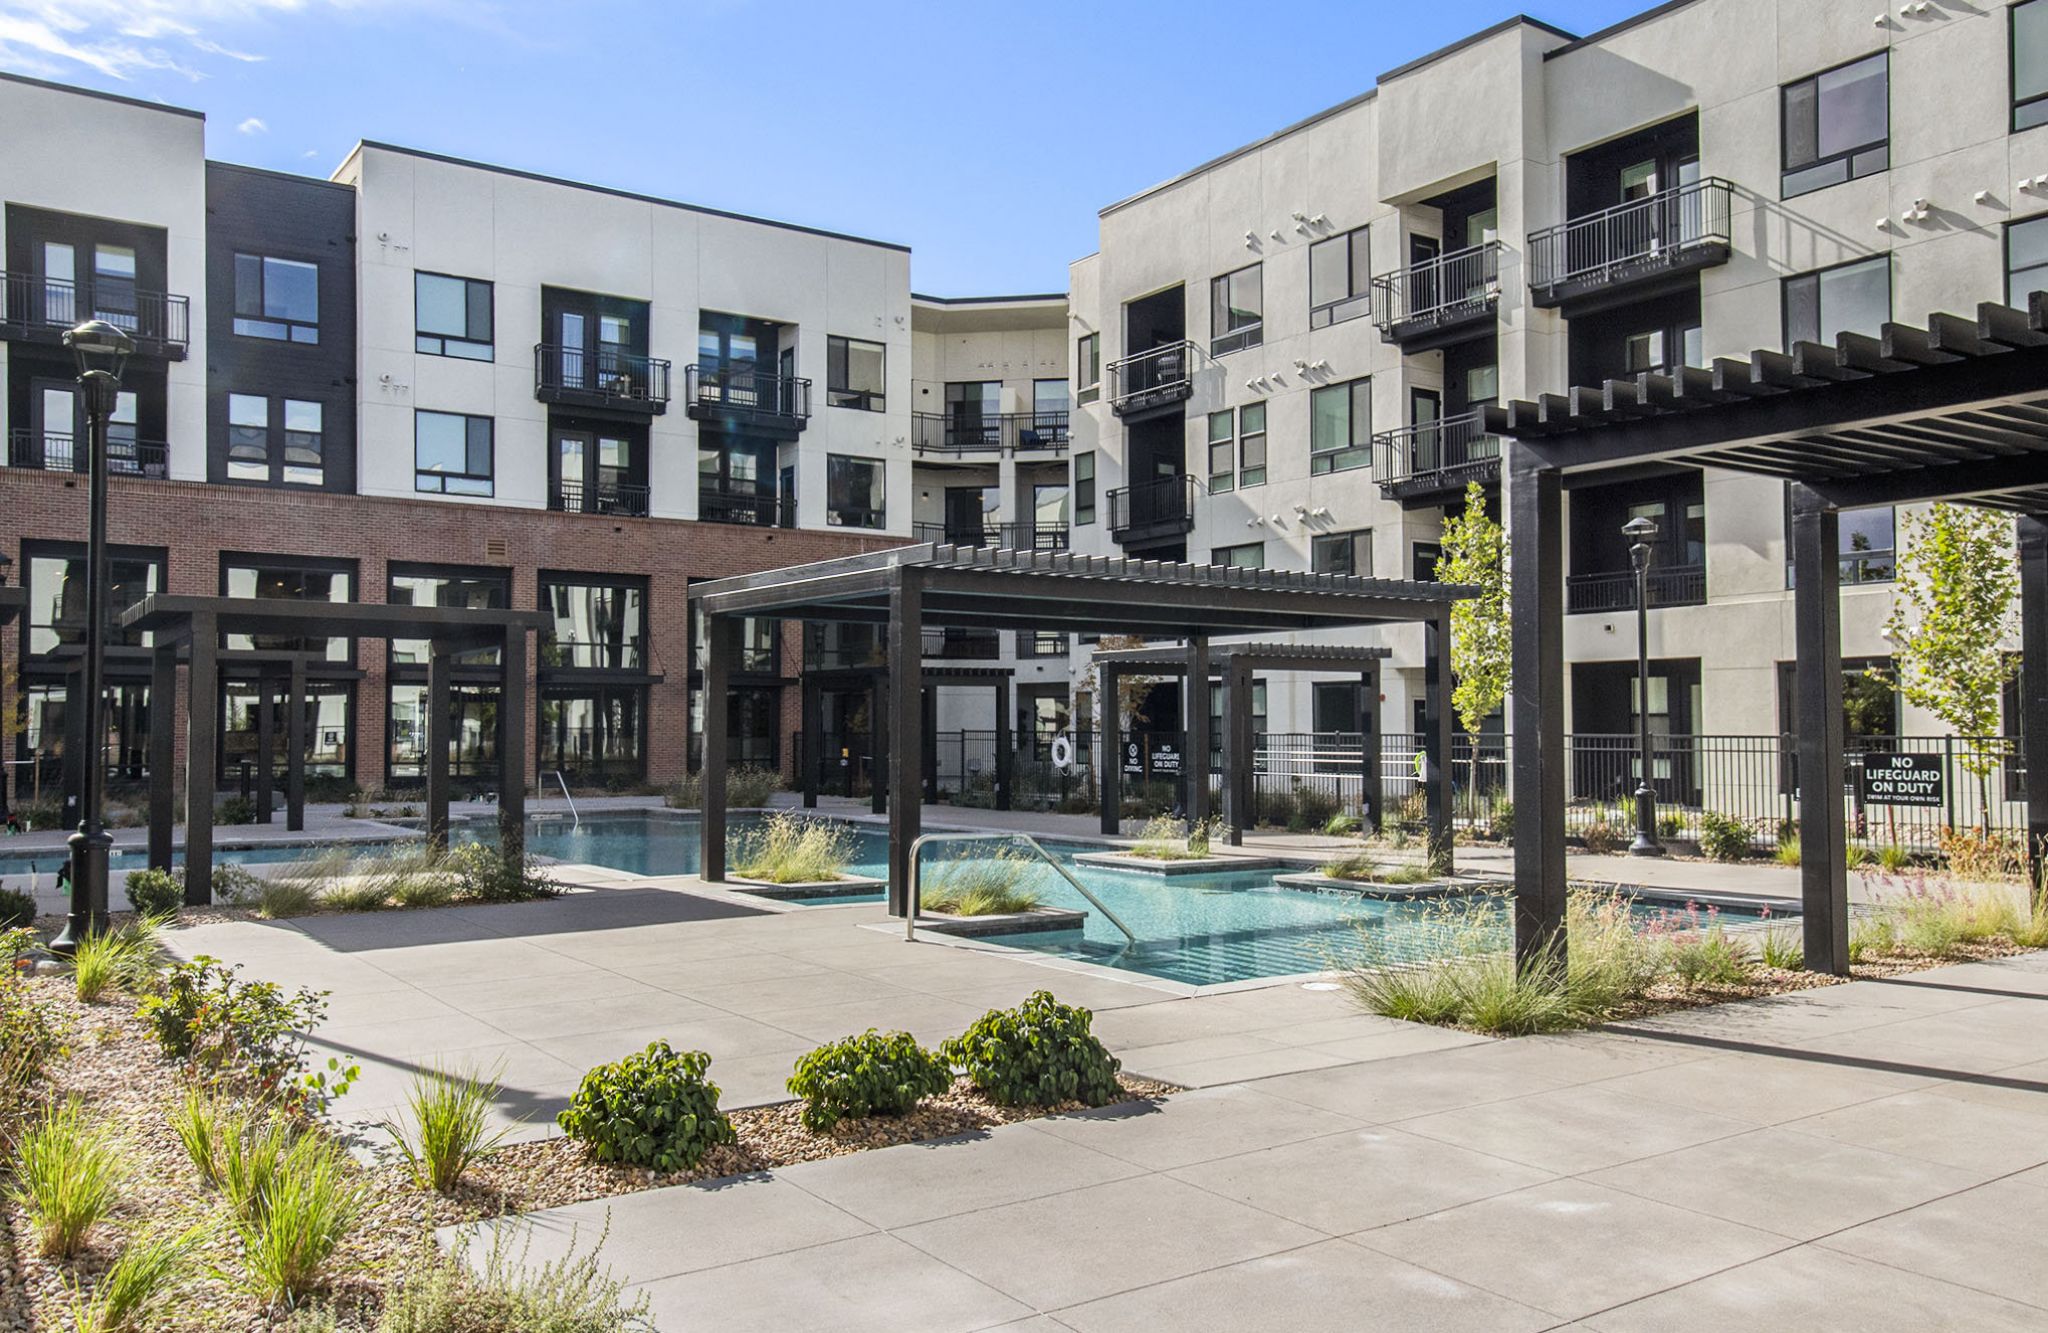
x=309, y=1208
x=67, y=1174
x=1709, y=958
x=450, y=1127
x=1670, y=825
x=136, y=1288
x=155, y=892
x=235, y=810
x=1724, y=838
x=568, y=1295
x=789, y=849
x=654, y=1109
x=234, y=884
x=29, y=1039
x=1039, y=1054
x=485, y=874
x=16, y=909
x=1500, y=822
x=1602, y=837
x=871, y=1074
x=247, y=1033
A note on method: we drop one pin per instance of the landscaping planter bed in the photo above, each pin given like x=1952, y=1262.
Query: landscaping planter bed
x=821, y=888
x=1003, y=923
x=1196, y=865
x=1434, y=888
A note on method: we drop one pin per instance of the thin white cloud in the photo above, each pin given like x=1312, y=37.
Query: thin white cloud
x=253, y=125
x=122, y=39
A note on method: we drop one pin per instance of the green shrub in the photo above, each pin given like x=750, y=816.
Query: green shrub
x=871, y=1074
x=248, y=1155
x=1787, y=853
x=485, y=874
x=790, y=849
x=136, y=1288
x=654, y=1109
x=202, y=1125
x=507, y=1295
x=1709, y=958
x=972, y=883
x=1670, y=825
x=1500, y=822
x=235, y=810
x=1164, y=838
x=746, y=788
x=234, y=884
x=29, y=1039
x=1313, y=808
x=67, y=1172
x=1782, y=948
x=121, y=959
x=310, y=1207
x=16, y=909
x=1039, y=1054
x=1602, y=837
x=155, y=892
x=1726, y=839
x=1892, y=858
x=1359, y=865
x=283, y=896
x=247, y=1033
x=1340, y=825
x=355, y=895
x=450, y=1115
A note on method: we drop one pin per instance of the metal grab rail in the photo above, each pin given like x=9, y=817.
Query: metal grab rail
x=917, y=877
x=573, y=812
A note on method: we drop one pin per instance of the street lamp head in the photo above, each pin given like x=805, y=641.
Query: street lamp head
x=1641, y=528
x=99, y=345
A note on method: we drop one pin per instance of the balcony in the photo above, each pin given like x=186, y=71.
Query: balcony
x=1442, y=301
x=39, y=310
x=1152, y=510
x=963, y=645
x=759, y=401
x=618, y=499
x=606, y=379
x=1670, y=585
x=1631, y=250
x=946, y=436
x=746, y=509
x=44, y=452
x=1429, y=464
x=1152, y=381
x=1002, y=536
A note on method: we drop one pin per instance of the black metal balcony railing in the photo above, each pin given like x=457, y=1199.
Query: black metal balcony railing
x=46, y=452
x=746, y=509
x=608, y=375
x=1164, y=505
x=605, y=497
x=1670, y=585
x=1009, y=433
x=1435, y=456
x=1443, y=293
x=1676, y=230
x=761, y=397
x=1871, y=566
x=969, y=645
x=1152, y=378
x=43, y=308
x=1004, y=536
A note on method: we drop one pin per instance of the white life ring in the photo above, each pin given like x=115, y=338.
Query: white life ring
x=1062, y=752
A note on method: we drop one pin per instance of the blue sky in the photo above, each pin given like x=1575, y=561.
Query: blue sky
x=984, y=136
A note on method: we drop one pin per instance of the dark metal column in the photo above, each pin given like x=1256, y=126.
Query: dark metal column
x=1436, y=739
x=1195, y=707
x=811, y=718
x=1536, y=704
x=2033, y=533
x=879, y=746
x=514, y=710
x=721, y=645
x=1006, y=759
x=163, y=752
x=929, y=751
x=266, y=748
x=295, y=748
x=440, y=678
x=71, y=765
x=906, y=723
x=1237, y=758
x=202, y=735
x=1109, y=750
x=1369, y=746
x=1817, y=677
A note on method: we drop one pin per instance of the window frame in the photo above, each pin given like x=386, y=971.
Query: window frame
x=1354, y=541
x=291, y=328
x=1237, y=337
x=2040, y=219
x=839, y=365
x=1222, y=483
x=1354, y=454
x=1083, y=489
x=1216, y=554
x=488, y=343
x=877, y=514
x=1847, y=156
x=2015, y=104
x=1250, y=474
x=1883, y=257
x=1087, y=362
x=277, y=441
x=1358, y=298
x=488, y=477
x=634, y=650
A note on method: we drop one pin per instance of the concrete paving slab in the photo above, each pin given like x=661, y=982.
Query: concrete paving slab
x=902, y=1186
x=1764, y=1089
x=1989, y=1237
x=1573, y=1130
x=1408, y=1086
x=1192, y=1127
x=1945, y=1130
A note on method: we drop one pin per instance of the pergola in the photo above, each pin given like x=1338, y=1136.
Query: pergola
x=1234, y=663
x=1956, y=410
x=874, y=680
x=908, y=587
x=13, y=601
x=196, y=625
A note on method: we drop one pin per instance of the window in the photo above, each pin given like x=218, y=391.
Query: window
x=1837, y=125
x=1339, y=278
x=853, y=374
x=593, y=624
x=1251, y=446
x=1222, y=451
x=1041, y=643
x=277, y=298
x=451, y=316
x=1251, y=555
x=294, y=579
x=1340, y=427
x=1850, y=298
x=853, y=492
x=1084, y=488
x=596, y=732
x=760, y=648
x=1049, y=404
x=56, y=582
x=1342, y=553
x=1088, y=367
x=258, y=451
x=451, y=454
x=1866, y=538
x=2030, y=64
x=430, y=585
x=1236, y=311
x=1422, y=567
x=2026, y=260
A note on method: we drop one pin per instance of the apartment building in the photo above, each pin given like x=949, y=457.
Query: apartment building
x=1280, y=354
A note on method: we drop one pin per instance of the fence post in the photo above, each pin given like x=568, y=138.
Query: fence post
x=1790, y=788
x=1948, y=775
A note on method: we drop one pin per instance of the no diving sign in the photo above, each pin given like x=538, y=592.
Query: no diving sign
x=1902, y=779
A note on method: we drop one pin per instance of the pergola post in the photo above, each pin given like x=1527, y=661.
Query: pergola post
x=721, y=643
x=811, y=718
x=1536, y=704
x=906, y=721
x=266, y=748
x=929, y=752
x=1369, y=746
x=295, y=747
x=1436, y=739
x=440, y=678
x=513, y=712
x=1006, y=761
x=879, y=745
x=1238, y=810
x=2033, y=542
x=202, y=732
x=163, y=754
x=1817, y=676
x=1109, y=750
x=1195, y=707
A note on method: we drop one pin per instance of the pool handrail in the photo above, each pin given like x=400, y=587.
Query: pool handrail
x=573, y=812
x=917, y=876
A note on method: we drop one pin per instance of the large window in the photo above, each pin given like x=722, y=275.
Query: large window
x=472, y=733
x=1867, y=540
x=593, y=623
x=451, y=454
x=277, y=298
x=1087, y=367
x=1049, y=404
x=56, y=582
x=1849, y=298
x=460, y=589
x=1084, y=488
x=291, y=579
x=1251, y=555
x=1339, y=278
x=2026, y=260
x=451, y=316
x=854, y=374
x=1341, y=553
x=275, y=440
x=1837, y=125
x=594, y=733
x=1237, y=305
x=2030, y=64
x=853, y=492
x=1340, y=427
x=1222, y=451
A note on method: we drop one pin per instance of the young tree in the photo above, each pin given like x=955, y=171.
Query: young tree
x=1475, y=551
x=1955, y=604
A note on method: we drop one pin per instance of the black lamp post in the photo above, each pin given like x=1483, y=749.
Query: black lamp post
x=1641, y=531
x=102, y=350
x=6, y=563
